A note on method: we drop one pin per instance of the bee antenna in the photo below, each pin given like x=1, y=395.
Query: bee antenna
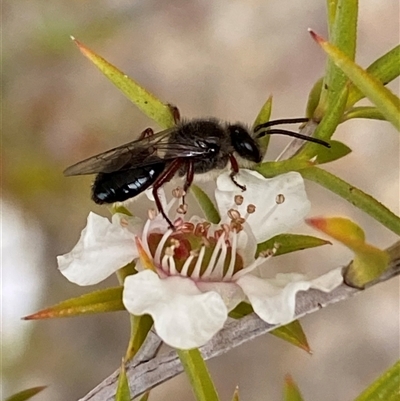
x=293, y=134
x=280, y=122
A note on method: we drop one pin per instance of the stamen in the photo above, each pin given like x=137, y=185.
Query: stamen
x=205, y=241
x=197, y=268
x=202, y=229
x=164, y=264
x=169, y=251
x=268, y=215
x=185, y=267
x=226, y=229
x=210, y=267
x=233, y=214
x=124, y=222
x=251, y=208
x=178, y=223
x=160, y=246
x=178, y=192
x=172, y=266
x=187, y=227
x=182, y=209
x=248, y=269
x=231, y=268
x=175, y=243
x=145, y=233
x=236, y=226
x=151, y=214
x=280, y=198
x=267, y=253
x=218, y=272
x=238, y=199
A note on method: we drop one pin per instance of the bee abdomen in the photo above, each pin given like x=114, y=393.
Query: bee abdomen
x=122, y=185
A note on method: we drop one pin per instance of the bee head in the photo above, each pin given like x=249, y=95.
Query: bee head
x=244, y=144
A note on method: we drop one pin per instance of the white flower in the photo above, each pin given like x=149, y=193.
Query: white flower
x=201, y=271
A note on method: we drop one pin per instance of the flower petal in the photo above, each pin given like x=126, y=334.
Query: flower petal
x=274, y=300
x=102, y=249
x=230, y=293
x=184, y=317
x=281, y=202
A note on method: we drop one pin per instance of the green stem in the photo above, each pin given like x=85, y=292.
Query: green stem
x=198, y=374
x=355, y=196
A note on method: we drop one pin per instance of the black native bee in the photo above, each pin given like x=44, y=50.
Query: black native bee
x=190, y=147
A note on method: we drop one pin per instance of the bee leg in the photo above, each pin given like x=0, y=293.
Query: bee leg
x=188, y=182
x=235, y=170
x=146, y=133
x=163, y=178
x=175, y=113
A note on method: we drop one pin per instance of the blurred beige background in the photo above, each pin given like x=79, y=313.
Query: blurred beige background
x=222, y=59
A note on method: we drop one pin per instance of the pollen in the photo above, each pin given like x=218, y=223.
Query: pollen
x=280, y=198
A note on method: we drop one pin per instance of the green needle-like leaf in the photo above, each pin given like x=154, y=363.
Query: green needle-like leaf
x=264, y=116
x=272, y=169
x=265, y=113
x=291, y=391
x=335, y=152
x=26, y=394
x=158, y=111
x=386, y=101
x=343, y=34
x=108, y=300
x=123, y=393
x=331, y=6
x=326, y=127
x=140, y=327
x=294, y=334
x=368, y=263
x=198, y=374
x=385, y=387
x=385, y=69
x=355, y=196
x=145, y=396
x=207, y=206
x=363, y=112
x=236, y=396
x=314, y=97
x=241, y=310
x=290, y=243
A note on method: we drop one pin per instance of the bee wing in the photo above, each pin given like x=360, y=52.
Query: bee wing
x=142, y=152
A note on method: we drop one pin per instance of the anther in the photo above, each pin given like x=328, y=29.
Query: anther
x=251, y=208
x=267, y=253
x=178, y=192
x=280, y=198
x=124, y=222
x=182, y=209
x=194, y=252
x=187, y=227
x=169, y=251
x=238, y=199
x=174, y=242
x=151, y=214
x=202, y=228
x=233, y=214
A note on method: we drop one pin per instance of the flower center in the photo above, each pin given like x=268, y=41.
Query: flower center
x=191, y=251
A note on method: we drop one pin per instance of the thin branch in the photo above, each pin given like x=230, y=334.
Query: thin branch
x=147, y=370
